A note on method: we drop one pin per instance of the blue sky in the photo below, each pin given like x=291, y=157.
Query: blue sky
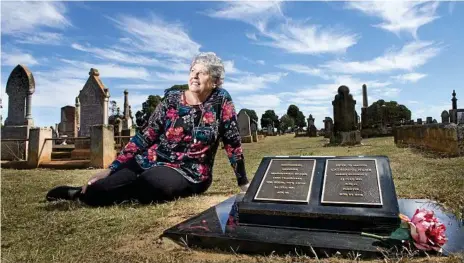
x=276, y=53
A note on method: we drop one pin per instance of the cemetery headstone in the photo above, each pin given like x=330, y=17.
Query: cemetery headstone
x=345, y=131
x=93, y=100
x=419, y=121
x=312, y=130
x=244, y=126
x=67, y=126
x=328, y=127
x=254, y=130
x=445, y=117
x=19, y=88
x=429, y=120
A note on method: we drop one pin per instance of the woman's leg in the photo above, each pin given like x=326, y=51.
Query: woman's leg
x=162, y=183
x=118, y=187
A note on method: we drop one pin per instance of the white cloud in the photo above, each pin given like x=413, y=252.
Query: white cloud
x=28, y=16
x=115, y=55
x=80, y=69
x=139, y=86
x=411, y=56
x=409, y=77
x=40, y=38
x=291, y=36
x=399, y=16
x=158, y=36
x=252, y=82
x=229, y=67
x=303, y=69
x=16, y=56
x=307, y=39
x=258, y=101
x=256, y=13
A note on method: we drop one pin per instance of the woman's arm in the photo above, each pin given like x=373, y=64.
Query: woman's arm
x=144, y=138
x=232, y=141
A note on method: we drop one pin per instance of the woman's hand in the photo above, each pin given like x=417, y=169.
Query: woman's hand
x=96, y=177
x=244, y=188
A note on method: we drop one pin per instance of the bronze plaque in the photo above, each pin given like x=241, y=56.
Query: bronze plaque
x=287, y=180
x=351, y=181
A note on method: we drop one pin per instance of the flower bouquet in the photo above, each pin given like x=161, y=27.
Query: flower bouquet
x=423, y=230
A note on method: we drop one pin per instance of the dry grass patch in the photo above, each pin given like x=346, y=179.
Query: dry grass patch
x=36, y=231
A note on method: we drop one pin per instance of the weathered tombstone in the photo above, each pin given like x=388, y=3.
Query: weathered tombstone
x=68, y=126
x=270, y=130
x=328, y=127
x=345, y=131
x=460, y=116
x=308, y=204
x=254, y=130
x=429, y=120
x=445, y=117
x=19, y=88
x=93, y=100
x=244, y=126
x=419, y=121
x=312, y=130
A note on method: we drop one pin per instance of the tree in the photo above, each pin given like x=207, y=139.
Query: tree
x=286, y=122
x=300, y=120
x=292, y=111
x=252, y=114
x=388, y=113
x=148, y=107
x=269, y=118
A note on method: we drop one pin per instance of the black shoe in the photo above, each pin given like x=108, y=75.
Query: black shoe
x=64, y=192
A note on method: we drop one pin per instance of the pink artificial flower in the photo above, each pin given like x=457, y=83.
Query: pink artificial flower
x=208, y=117
x=227, y=111
x=428, y=233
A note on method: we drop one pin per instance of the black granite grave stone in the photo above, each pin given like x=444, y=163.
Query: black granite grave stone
x=330, y=193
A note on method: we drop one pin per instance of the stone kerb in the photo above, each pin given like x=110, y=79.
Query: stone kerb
x=40, y=149
x=102, y=151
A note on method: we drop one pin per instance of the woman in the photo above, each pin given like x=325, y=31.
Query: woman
x=174, y=153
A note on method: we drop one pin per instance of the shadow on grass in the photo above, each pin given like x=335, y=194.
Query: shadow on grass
x=429, y=154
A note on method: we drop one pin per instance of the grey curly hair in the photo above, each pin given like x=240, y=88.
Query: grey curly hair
x=213, y=63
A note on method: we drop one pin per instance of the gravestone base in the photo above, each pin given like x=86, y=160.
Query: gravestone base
x=15, y=150
x=247, y=139
x=346, y=138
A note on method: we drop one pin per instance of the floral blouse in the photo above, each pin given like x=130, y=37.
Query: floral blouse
x=186, y=137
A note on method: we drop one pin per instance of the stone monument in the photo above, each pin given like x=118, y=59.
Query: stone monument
x=345, y=131
x=312, y=130
x=454, y=108
x=364, y=116
x=445, y=118
x=127, y=119
x=244, y=126
x=254, y=130
x=19, y=88
x=93, y=100
x=328, y=127
x=68, y=125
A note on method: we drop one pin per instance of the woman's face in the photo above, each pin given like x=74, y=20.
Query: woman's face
x=200, y=80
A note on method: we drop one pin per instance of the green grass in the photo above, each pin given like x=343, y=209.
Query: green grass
x=36, y=231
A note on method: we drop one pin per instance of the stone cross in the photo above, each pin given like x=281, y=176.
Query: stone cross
x=344, y=110
x=20, y=87
x=445, y=118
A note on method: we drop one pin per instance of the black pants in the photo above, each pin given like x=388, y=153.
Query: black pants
x=132, y=183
